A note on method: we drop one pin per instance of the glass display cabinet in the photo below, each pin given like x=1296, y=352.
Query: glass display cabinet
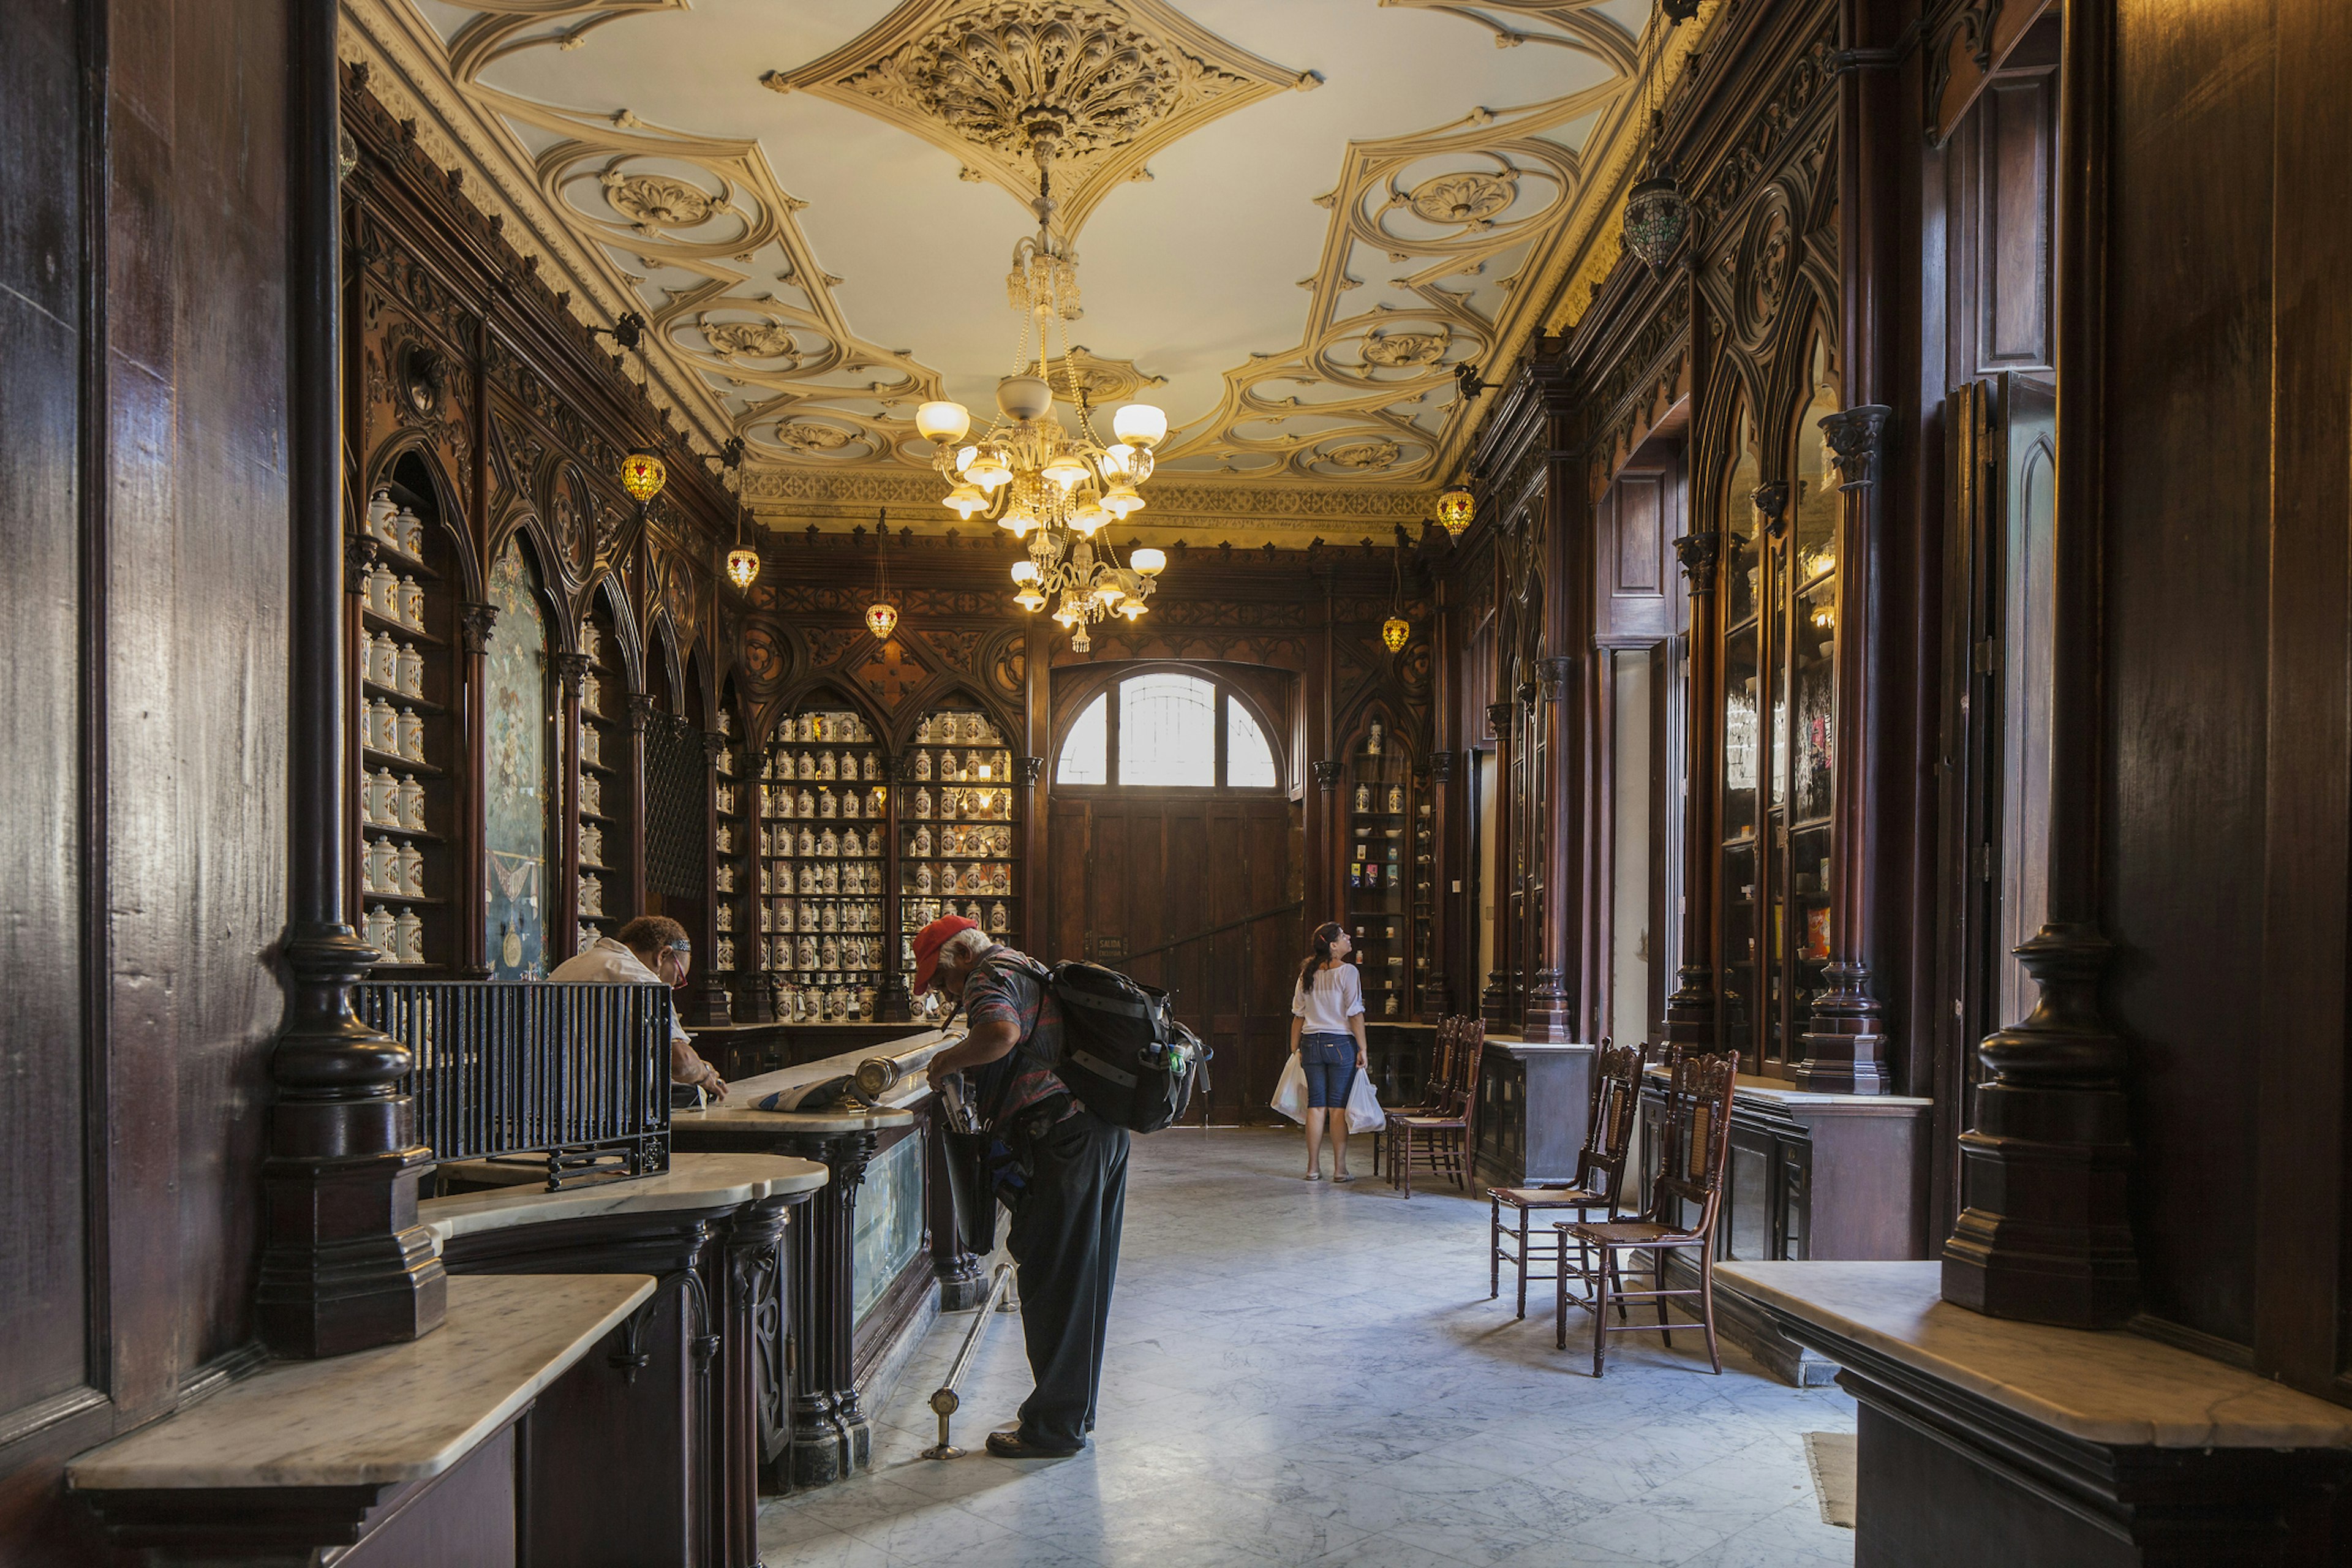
x=1386, y=900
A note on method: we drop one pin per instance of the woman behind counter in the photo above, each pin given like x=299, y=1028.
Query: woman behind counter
x=1326, y=1029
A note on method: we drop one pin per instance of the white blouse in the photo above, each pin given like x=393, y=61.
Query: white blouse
x=1337, y=996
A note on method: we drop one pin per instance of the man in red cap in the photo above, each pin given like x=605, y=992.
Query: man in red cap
x=1061, y=1169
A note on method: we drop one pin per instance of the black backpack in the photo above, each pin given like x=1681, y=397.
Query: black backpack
x=1124, y=1053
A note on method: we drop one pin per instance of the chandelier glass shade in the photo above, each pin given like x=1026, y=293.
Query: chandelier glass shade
x=643, y=475
x=742, y=566
x=1456, y=509
x=1054, y=486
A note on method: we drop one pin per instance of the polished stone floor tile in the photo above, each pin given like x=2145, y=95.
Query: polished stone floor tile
x=1304, y=1374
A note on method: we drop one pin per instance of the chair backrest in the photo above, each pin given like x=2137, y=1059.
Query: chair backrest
x=1696, y=1139
x=1435, y=1087
x=1609, y=1127
x=1469, y=1049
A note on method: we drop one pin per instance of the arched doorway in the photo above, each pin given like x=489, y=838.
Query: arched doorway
x=1178, y=850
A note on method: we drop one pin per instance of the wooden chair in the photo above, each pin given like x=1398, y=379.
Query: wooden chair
x=1444, y=1134
x=1432, y=1085
x=1598, y=1183
x=1693, y=1148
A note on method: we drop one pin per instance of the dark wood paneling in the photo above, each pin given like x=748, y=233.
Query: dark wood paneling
x=2188, y=437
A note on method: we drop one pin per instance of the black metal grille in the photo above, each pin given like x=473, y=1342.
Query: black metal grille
x=676, y=807
x=576, y=1073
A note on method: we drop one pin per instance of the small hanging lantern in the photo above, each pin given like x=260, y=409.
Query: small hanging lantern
x=643, y=474
x=742, y=566
x=1456, y=508
x=882, y=615
x=1657, y=216
x=1396, y=631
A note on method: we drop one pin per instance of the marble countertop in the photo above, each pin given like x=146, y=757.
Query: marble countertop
x=740, y=1110
x=2115, y=1388
x=397, y=1412
x=1781, y=1092
x=692, y=1181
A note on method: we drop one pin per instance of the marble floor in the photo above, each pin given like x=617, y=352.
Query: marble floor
x=1304, y=1373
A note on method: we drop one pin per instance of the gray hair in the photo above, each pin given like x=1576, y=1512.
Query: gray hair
x=965, y=944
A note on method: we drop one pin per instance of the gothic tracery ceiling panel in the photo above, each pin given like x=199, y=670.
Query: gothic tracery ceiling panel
x=811, y=205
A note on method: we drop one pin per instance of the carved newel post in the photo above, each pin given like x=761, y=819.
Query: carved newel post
x=1553, y=1003
x=1331, y=894
x=345, y=1265
x=1690, y=1011
x=571, y=674
x=1845, y=1043
x=1436, y=990
x=1494, y=1002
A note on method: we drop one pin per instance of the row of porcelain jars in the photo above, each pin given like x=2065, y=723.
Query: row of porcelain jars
x=807, y=951
x=394, y=598
x=826, y=844
x=821, y=915
x=969, y=767
x=917, y=913
x=962, y=805
x=394, y=527
x=849, y=879
x=386, y=801
x=972, y=876
x=392, y=868
x=393, y=733
x=786, y=804
x=834, y=727
x=825, y=767
x=970, y=840
x=394, y=666
x=956, y=729
x=400, y=938
x=816, y=1003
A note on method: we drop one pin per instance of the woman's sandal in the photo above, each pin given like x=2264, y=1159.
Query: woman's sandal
x=1314, y=1176
x=1345, y=1176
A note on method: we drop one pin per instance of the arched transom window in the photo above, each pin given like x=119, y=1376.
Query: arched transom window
x=1167, y=730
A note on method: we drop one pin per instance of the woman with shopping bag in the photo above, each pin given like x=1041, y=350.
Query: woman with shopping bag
x=1327, y=1039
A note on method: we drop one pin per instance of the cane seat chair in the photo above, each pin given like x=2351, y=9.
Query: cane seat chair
x=1432, y=1085
x=1598, y=1183
x=1686, y=1198
x=1439, y=1139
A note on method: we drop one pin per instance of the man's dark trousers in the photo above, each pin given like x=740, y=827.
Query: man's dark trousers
x=1065, y=1241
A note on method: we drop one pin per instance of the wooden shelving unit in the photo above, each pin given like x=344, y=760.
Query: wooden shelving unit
x=823, y=831
x=1384, y=879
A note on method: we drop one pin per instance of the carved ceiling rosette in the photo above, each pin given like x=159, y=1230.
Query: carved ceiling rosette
x=1116, y=82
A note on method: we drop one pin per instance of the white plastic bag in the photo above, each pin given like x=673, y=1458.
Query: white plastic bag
x=1365, y=1113
x=1290, y=1093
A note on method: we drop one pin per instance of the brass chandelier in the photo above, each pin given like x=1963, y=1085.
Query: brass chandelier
x=1056, y=488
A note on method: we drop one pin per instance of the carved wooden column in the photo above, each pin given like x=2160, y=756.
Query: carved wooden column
x=1503, y=717
x=894, y=1005
x=1436, y=988
x=1029, y=774
x=1553, y=999
x=345, y=1265
x=1845, y=1044
x=632, y=811
x=754, y=1409
x=708, y=1000
x=570, y=672
x=1690, y=1011
x=830, y=1438
x=475, y=622
x=1324, y=898
x=2045, y=1235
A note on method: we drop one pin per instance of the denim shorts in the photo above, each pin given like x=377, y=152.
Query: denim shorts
x=1330, y=1064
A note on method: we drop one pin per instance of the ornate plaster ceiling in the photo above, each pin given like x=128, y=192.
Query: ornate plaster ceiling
x=1293, y=220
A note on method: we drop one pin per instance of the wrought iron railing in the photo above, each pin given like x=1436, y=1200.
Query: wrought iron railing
x=575, y=1077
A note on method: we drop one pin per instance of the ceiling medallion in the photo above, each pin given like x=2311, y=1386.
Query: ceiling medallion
x=1104, y=380
x=751, y=339
x=1471, y=198
x=808, y=435
x=1029, y=472
x=1405, y=350
x=1365, y=455
x=1116, y=82
x=652, y=202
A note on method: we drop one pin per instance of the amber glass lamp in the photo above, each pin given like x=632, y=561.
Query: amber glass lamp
x=1396, y=631
x=742, y=566
x=882, y=615
x=1456, y=508
x=643, y=474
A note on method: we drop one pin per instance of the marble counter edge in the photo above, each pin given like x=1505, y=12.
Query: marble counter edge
x=470, y=1367
x=705, y=1180
x=2215, y=1406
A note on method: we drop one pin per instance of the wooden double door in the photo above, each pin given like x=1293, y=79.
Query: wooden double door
x=1200, y=896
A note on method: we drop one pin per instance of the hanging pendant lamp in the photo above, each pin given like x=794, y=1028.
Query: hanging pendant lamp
x=882, y=615
x=1396, y=631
